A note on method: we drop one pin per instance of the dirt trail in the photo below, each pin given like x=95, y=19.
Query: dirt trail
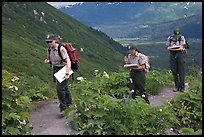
x=45, y=118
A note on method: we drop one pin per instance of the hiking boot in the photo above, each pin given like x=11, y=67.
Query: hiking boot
x=147, y=101
x=61, y=113
x=176, y=90
x=182, y=90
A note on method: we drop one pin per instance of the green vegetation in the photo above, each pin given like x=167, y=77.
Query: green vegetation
x=24, y=29
x=27, y=79
x=17, y=93
x=101, y=109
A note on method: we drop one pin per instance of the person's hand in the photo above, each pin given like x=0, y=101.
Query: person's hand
x=66, y=76
x=178, y=49
x=46, y=61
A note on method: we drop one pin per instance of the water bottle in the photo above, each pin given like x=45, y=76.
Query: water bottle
x=124, y=99
x=130, y=94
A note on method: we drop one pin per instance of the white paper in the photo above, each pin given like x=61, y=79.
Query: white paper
x=130, y=65
x=174, y=47
x=59, y=75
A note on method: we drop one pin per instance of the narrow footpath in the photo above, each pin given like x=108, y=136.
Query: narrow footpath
x=45, y=118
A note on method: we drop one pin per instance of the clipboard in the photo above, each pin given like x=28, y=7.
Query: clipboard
x=130, y=65
x=173, y=47
x=59, y=75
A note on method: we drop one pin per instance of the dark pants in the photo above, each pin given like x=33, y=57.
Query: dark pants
x=63, y=93
x=177, y=62
x=137, y=81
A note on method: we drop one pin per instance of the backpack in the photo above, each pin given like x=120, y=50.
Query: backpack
x=146, y=60
x=73, y=55
x=179, y=39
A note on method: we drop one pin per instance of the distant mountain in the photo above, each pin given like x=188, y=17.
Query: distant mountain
x=24, y=29
x=191, y=27
x=117, y=18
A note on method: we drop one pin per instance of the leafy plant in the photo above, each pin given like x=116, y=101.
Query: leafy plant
x=188, y=106
x=100, y=108
x=15, y=113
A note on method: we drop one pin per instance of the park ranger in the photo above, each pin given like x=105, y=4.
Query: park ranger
x=176, y=46
x=137, y=72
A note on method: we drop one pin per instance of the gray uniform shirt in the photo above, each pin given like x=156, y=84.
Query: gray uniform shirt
x=175, y=42
x=55, y=58
x=137, y=59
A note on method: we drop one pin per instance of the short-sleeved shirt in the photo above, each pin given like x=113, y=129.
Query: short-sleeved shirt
x=174, y=41
x=137, y=59
x=55, y=58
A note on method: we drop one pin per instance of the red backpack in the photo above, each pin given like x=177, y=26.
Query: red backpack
x=72, y=52
x=73, y=55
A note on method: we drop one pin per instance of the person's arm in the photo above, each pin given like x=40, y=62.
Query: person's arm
x=68, y=62
x=68, y=67
x=168, y=42
x=137, y=67
x=47, y=61
x=178, y=49
x=126, y=60
x=182, y=45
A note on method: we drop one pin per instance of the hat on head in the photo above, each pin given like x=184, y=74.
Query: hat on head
x=51, y=37
x=130, y=47
x=176, y=31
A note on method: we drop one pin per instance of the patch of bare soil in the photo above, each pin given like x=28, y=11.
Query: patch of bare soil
x=160, y=99
x=45, y=118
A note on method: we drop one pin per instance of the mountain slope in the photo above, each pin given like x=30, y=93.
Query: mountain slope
x=130, y=12
x=130, y=19
x=24, y=29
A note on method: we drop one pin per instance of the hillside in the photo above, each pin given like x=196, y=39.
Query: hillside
x=24, y=29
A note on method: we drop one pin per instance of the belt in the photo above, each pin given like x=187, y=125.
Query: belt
x=57, y=67
x=177, y=51
x=135, y=71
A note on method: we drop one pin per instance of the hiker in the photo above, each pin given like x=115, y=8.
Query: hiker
x=53, y=58
x=176, y=46
x=137, y=73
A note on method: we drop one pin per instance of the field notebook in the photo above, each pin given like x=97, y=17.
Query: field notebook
x=59, y=75
x=130, y=65
x=174, y=47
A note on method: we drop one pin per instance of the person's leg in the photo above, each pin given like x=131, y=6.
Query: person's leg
x=68, y=97
x=132, y=84
x=139, y=82
x=181, y=71
x=61, y=92
x=174, y=69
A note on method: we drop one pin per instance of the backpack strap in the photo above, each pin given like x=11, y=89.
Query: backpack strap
x=49, y=50
x=171, y=37
x=59, y=52
x=139, y=55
